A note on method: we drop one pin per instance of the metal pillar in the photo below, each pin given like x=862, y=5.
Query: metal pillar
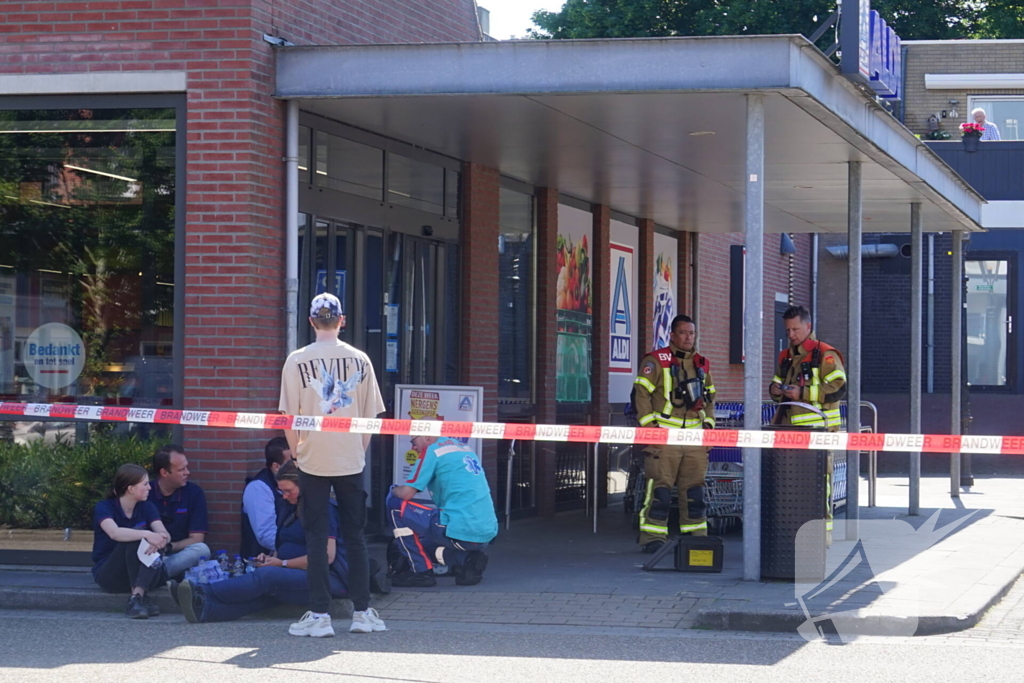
x=753, y=323
x=855, y=213
x=291, y=222
x=957, y=351
x=916, y=290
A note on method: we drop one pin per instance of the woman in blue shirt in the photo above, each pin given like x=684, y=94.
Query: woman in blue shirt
x=279, y=577
x=120, y=523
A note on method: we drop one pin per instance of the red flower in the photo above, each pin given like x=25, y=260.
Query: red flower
x=972, y=129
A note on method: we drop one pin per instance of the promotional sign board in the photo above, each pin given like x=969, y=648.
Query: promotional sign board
x=441, y=403
x=665, y=250
x=624, y=322
x=573, y=305
x=54, y=355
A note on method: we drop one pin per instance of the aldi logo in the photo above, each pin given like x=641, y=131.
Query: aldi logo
x=466, y=403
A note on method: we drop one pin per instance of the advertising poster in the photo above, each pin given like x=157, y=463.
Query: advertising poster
x=665, y=252
x=574, y=305
x=441, y=403
x=624, y=323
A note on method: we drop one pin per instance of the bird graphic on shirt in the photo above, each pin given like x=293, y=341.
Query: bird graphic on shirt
x=334, y=393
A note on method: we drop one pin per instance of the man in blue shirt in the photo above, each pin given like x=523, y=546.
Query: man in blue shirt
x=182, y=508
x=262, y=504
x=454, y=533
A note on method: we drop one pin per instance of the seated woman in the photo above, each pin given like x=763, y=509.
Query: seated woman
x=279, y=578
x=120, y=523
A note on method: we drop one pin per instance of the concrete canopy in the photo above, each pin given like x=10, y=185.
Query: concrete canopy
x=651, y=127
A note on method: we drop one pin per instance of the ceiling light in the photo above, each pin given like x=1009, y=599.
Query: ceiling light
x=59, y=206
x=103, y=173
x=698, y=133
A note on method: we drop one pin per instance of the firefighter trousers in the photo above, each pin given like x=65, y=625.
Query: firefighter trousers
x=685, y=468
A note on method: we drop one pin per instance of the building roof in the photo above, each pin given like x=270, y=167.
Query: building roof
x=651, y=127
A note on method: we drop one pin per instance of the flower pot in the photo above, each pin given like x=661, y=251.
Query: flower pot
x=971, y=143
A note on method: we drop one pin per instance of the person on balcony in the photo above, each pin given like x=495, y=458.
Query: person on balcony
x=991, y=129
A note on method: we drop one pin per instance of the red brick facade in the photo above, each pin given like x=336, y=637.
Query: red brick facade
x=235, y=177
x=479, y=255
x=234, y=211
x=713, y=274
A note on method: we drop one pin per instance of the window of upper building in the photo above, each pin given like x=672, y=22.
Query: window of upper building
x=1005, y=111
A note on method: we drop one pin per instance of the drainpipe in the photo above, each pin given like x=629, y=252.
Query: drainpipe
x=931, y=313
x=291, y=223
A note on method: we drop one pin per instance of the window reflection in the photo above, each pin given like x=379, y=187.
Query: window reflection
x=515, y=296
x=415, y=184
x=87, y=255
x=348, y=166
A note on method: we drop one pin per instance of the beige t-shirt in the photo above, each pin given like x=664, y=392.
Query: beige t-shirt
x=330, y=379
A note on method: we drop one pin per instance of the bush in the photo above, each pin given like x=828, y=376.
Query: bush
x=56, y=485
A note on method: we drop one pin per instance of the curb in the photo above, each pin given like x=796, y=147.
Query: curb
x=97, y=601
x=853, y=623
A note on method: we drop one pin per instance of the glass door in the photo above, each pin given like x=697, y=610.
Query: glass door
x=989, y=322
x=325, y=266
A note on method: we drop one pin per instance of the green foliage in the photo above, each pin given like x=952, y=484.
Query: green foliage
x=911, y=19
x=55, y=485
x=1001, y=19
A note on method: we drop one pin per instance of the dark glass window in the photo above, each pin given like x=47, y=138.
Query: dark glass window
x=349, y=166
x=415, y=184
x=87, y=282
x=515, y=297
x=87, y=255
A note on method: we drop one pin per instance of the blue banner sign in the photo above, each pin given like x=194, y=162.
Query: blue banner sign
x=886, y=63
x=871, y=50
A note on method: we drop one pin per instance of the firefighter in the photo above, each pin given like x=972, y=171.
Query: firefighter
x=809, y=372
x=674, y=389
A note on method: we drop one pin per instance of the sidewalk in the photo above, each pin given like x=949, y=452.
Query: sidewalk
x=557, y=572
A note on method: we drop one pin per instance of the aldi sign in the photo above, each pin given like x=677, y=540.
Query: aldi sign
x=886, y=62
x=871, y=50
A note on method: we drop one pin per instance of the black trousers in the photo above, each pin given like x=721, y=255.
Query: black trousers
x=315, y=503
x=123, y=571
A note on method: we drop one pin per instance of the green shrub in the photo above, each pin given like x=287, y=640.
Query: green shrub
x=56, y=485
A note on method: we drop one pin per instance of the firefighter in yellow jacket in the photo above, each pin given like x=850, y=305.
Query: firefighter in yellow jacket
x=674, y=389
x=809, y=372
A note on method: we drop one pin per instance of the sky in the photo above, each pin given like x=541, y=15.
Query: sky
x=512, y=17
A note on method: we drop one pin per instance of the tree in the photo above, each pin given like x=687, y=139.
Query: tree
x=1002, y=19
x=911, y=19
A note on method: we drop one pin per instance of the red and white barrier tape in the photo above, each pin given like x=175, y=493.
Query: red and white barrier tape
x=727, y=438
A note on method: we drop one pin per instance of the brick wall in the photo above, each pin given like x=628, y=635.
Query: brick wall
x=547, y=343
x=713, y=282
x=954, y=57
x=479, y=264
x=645, y=296
x=234, y=223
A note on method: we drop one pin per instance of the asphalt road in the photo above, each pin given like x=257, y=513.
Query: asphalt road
x=75, y=646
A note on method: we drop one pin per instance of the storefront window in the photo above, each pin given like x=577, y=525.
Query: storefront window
x=1005, y=112
x=416, y=184
x=515, y=297
x=304, y=134
x=348, y=166
x=87, y=314
x=87, y=255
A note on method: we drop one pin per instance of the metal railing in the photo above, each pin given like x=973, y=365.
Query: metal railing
x=732, y=419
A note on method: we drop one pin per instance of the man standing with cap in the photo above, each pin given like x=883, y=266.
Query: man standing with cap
x=332, y=378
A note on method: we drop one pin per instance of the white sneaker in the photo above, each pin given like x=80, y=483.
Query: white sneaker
x=367, y=622
x=313, y=626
